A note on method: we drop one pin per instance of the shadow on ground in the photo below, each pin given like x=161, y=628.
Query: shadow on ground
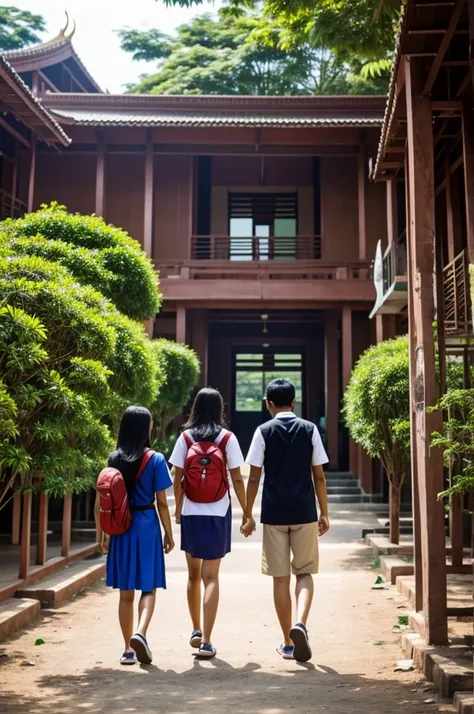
x=218, y=687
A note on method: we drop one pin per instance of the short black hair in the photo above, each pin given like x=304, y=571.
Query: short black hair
x=281, y=392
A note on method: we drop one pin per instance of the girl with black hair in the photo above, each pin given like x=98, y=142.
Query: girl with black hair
x=206, y=527
x=135, y=559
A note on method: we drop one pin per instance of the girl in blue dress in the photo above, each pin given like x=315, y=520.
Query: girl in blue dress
x=206, y=527
x=135, y=559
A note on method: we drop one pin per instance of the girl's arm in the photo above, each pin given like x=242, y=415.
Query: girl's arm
x=102, y=538
x=165, y=518
x=178, y=492
x=239, y=486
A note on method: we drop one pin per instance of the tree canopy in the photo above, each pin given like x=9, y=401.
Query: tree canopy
x=242, y=52
x=19, y=28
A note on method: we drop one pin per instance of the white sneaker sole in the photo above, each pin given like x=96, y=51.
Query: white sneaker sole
x=142, y=651
x=299, y=638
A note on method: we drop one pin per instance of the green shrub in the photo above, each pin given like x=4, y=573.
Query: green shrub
x=96, y=254
x=180, y=368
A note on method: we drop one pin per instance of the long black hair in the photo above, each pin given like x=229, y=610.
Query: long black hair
x=207, y=415
x=132, y=442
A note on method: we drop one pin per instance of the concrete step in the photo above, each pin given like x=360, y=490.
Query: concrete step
x=349, y=490
x=342, y=482
x=392, y=567
x=16, y=613
x=56, y=589
x=339, y=475
x=464, y=703
x=354, y=498
x=370, y=530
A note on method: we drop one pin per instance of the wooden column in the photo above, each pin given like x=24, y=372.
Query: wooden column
x=332, y=391
x=25, y=549
x=362, y=190
x=31, y=180
x=16, y=519
x=424, y=387
x=199, y=341
x=41, y=548
x=385, y=327
x=181, y=325
x=148, y=201
x=468, y=154
x=449, y=210
x=392, y=222
x=16, y=161
x=346, y=346
x=67, y=522
x=100, y=175
x=415, y=497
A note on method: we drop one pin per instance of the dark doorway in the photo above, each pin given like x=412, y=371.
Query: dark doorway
x=253, y=368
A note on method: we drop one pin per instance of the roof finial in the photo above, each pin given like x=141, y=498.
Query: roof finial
x=71, y=34
x=62, y=31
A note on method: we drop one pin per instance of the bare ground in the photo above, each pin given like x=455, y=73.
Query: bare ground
x=352, y=671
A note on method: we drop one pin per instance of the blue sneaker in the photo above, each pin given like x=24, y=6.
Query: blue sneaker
x=206, y=651
x=196, y=639
x=286, y=651
x=140, y=645
x=299, y=637
x=128, y=658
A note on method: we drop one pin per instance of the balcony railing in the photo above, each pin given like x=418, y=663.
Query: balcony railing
x=269, y=270
x=11, y=207
x=457, y=312
x=394, y=262
x=242, y=249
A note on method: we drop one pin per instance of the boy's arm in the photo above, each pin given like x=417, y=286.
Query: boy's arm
x=252, y=490
x=322, y=496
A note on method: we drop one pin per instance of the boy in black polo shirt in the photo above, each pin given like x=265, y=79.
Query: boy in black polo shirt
x=291, y=453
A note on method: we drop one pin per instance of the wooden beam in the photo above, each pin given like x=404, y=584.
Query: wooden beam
x=468, y=156
x=31, y=180
x=19, y=137
x=148, y=200
x=74, y=78
x=361, y=193
x=392, y=222
x=470, y=9
x=448, y=36
x=446, y=105
x=424, y=385
x=25, y=547
x=16, y=161
x=181, y=325
x=42, y=545
x=449, y=211
x=415, y=491
x=331, y=383
x=100, y=175
x=48, y=82
x=346, y=345
x=67, y=522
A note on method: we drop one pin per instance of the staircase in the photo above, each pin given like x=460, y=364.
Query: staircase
x=344, y=488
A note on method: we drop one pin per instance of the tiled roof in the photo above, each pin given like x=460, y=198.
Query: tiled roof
x=95, y=116
x=22, y=103
x=55, y=51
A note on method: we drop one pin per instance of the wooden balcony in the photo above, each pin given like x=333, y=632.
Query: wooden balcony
x=457, y=308
x=11, y=207
x=242, y=249
x=250, y=270
x=390, y=276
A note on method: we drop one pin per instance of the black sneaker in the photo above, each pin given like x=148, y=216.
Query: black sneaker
x=299, y=636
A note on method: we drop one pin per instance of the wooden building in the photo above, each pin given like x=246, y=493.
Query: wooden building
x=426, y=159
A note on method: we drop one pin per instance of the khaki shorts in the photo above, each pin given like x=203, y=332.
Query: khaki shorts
x=281, y=542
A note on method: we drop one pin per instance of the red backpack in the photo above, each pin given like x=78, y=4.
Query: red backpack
x=115, y=514
x=205, y=470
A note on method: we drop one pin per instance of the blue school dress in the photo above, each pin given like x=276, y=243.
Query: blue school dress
x=136, y=560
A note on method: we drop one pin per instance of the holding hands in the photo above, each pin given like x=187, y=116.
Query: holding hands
x=248, y=526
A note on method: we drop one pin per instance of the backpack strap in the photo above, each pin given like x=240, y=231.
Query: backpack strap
x=145, y=459
x=187, y=440
x=223, y=443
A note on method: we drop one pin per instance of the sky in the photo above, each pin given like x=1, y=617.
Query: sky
x=96, y=41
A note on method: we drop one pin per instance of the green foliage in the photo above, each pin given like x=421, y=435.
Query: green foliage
x=179, y=366
x=243, y=52
x=19, y=28
x=457, y=441
x=96, y=254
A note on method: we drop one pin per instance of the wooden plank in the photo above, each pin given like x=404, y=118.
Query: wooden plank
x=148, y=200
x=25, y=546
x=417, y=555
x=31, y=180
x=100, y=175
x=362, y=183
x=449, y=211
x=67, y=520
x=16, y=519
x=331, y=382
x=424, y=385
x=392, y=223
x=42, y=546
x=468, y=156
x=181, y=325
x=346, y=345
x=445, y=42
x=456, y=518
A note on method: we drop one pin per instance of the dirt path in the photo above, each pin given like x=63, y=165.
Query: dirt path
x=352, y=671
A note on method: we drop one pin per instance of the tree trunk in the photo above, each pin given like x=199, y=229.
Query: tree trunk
x=394, y=506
